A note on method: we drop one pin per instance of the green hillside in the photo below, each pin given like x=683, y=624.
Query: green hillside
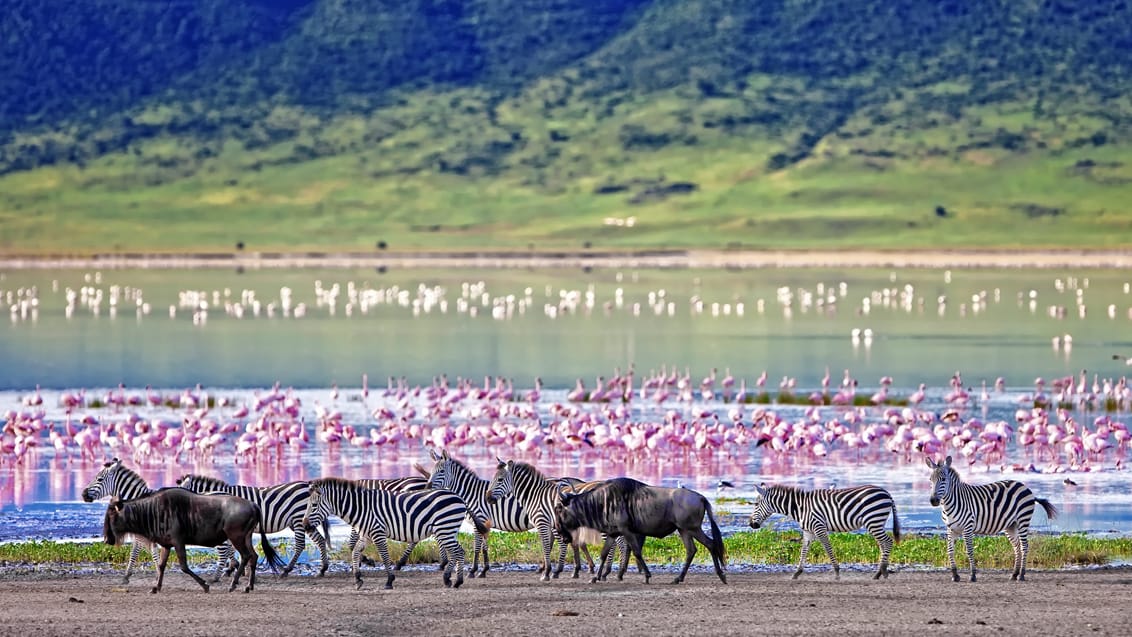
x=432, y=124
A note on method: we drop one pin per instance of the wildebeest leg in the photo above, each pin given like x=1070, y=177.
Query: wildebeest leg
x=636, y=543
x=183, y=559
x=601, y=569
x=716, y=558
x=162, y=560
x=689, y=553
x=248, y=557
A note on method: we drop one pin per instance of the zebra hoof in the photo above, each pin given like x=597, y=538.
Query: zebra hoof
x=678, y=580
x=248, y=588
x=153, y=591
x=459, y=582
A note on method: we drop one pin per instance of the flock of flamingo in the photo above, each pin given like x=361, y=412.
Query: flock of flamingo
x=1077, y=426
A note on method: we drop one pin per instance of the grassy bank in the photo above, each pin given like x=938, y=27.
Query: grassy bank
x=1046, y=551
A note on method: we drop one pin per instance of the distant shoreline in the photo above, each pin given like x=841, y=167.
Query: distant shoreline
x=646, y=259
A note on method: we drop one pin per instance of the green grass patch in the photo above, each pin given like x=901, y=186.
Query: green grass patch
x=763, y=547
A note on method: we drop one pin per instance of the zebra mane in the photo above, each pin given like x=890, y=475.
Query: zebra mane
x=460, y=466
x=207, y=482
x=782, y=489
x=341, y=483
x=125, y=471
x=528, y=471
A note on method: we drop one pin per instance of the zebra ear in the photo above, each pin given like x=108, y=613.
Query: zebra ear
x=761, y=489
x=501, y=462
x=928, y=461
x=432, y=454
x=947, y=462
x=444, y=454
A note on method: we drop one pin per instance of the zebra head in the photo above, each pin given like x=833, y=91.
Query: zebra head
x=316, y=505
x=762, y=509
x=103, y=484
x=441, y=476
x=502, y=483
x=942, y=477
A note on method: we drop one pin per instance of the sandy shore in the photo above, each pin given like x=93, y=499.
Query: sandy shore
x=1094, y=259
x=58, y=602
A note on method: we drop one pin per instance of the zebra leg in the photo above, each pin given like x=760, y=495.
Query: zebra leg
x=483, y=542
x=404, y=559
x=951, y=555
x=563, y=545
x=449, y=545
x=162, y=560
x=884, y=543
x=135, y=550
x=807, y=538
x=1023, y=551
x=356, y=549
x=383, y=550
x=969, y=540
x=300, y=546
x=223, y=555
x=1012, y=535
x=323, y=551
x=352, y=541
x=689, y=553
x=823, y=537
x=623, y=548
x=546, y=536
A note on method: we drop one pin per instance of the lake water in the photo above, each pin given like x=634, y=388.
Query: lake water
x=100, y=338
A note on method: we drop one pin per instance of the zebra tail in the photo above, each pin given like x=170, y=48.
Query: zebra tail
x=482, y=526
x=895, y=525
x=717, y=545
x=1051, y=511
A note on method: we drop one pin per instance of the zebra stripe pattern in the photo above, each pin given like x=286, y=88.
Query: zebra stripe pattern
x=1006, y=507
x=383, y=515
x=538, y=495
x=504, y=514
x=823, y=511
x=283, y=506
x=406, y=484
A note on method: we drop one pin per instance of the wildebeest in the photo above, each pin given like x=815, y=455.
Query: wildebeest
x=623, y=507
x=176, y=517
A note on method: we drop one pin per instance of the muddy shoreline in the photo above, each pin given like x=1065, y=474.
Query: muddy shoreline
x=56, y=601
x=646, y=259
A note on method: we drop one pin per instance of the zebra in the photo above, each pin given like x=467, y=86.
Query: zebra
x=118, y=480
x=283, y=507
x=538, y=495
x=406, y=484
x=382, y=515
x=504, y=514
x=1006, y=507
x=821, y=511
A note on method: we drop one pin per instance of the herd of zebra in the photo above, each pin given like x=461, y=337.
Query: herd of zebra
x=520, y=498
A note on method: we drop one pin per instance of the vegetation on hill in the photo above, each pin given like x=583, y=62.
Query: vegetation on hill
x=548, y=123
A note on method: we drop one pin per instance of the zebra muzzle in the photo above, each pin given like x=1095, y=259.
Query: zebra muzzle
x=934, y=501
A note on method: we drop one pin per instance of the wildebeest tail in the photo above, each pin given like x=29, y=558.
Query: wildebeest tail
x=269, y=554
x=717, y=545
x=895, y=524
x=1051, y=511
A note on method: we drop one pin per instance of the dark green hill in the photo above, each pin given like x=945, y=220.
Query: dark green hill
x=481, y=115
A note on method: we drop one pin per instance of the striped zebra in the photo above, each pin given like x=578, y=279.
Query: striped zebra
x=1006, y=507
x=503, y=514
x=406, y=484
x=538, y=495
x=283, y=507
x=383, y=515
x=117, y=480
x=822, y=511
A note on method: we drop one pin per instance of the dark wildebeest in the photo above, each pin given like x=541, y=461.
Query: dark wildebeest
x=623, y=507
x=175, y=517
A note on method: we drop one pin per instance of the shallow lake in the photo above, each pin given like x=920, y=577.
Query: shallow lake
x=99, y=338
